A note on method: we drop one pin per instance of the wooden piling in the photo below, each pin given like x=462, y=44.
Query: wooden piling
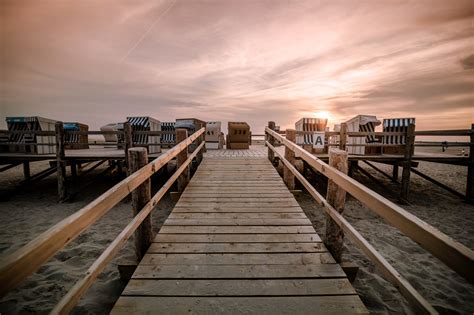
x=271, y=140
x=127, y=139
x=343, y=137
x=470, y=170
x=336, y=196
x=288, y=176
x=183, y=180
x=409, y=150
x=395, y=172
x=61, y=167
x=26, y=171
x=138, y=158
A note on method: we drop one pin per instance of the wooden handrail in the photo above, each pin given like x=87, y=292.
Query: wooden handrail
x=70, y=299
x=393, y=276
x=454, y=254
x=15, y=267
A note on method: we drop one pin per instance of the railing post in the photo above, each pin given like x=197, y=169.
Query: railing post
x=182, y=182
x=395, y=172
x=343, y=137
x=470, y=170
x=409, y=150
x=200, y=153
x=127, y=140
x=138, y=158
x=288, y=176
x=271, y=140
x=336, y=197
x=61, y=167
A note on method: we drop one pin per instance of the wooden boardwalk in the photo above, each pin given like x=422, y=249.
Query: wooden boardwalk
x=238, y=242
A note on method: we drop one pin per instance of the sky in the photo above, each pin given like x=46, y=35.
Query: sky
x=99, y=61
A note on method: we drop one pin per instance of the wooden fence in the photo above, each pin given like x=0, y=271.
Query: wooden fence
x=455, y=255
x=15, y=267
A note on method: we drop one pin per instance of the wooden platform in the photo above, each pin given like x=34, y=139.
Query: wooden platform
x=238, y=242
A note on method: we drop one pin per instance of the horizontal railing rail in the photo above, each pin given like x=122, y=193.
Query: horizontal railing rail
x=18, y=265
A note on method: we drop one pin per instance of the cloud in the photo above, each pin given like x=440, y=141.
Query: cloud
x=235, y=60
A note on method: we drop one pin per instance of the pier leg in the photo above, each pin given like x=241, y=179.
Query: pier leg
x=271, y=140
x=128, y=143
x=61, y=168
x=288, y=176
x=26, y=170
x=73, y=170
x=395, y=172
x=470, y=170
x=183, y=179
x=336, y=196
x=352, y=167
x=409, y=150
x=138, y=158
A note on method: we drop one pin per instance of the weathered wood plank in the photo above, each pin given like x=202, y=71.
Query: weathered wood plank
x=250, y=238
x=240, y=287
x=238, y=259
x=234, y=215
x=340, y=304
x=238, y=222
x=185, y=229
x=238, y=271
x=233, y=208
x=189, y=248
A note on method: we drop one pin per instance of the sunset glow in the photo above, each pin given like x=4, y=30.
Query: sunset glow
x=224, y=60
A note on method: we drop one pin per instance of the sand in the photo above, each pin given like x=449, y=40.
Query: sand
x=25, y=214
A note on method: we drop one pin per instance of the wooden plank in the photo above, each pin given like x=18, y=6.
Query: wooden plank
x=218, y=199
x=253, y=204
x=189, y=248
x=238, y=259
x=238, y=271
x=236, y=215
x=241, y=238
x=454, y=254
x=340, y=304
x=241, y=194
x=238, y=222
x=240, y=287
x=233, y=208
x=185, y=229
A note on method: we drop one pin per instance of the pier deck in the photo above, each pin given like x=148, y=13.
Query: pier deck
x=238, y=242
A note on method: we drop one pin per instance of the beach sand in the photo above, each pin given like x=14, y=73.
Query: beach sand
x=25, y=214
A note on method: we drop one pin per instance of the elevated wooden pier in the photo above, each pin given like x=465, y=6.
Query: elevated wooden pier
x=238, y=242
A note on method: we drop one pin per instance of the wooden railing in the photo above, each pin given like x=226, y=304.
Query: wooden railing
x=18, y=265
x=454, y=254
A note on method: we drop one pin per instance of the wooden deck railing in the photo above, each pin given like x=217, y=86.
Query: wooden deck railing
x=15, y=267
x=454, y=254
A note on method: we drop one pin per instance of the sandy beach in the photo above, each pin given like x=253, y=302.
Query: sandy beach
x=26, y=213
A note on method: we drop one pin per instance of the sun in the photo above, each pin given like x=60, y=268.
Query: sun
x=322, y=114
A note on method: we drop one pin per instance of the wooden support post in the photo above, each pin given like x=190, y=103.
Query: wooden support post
x=73, y=170
x=128, y=143
x=409, y=150
x=200, y=153
x=288, y=176
x=336, y=196
x=343, y=137
x=26, y=171
x=470, y=170
x=271, y=140
x=395, y=172
x=138, y=158
x=61, y=167
x=182, y=182
x=353, y=165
